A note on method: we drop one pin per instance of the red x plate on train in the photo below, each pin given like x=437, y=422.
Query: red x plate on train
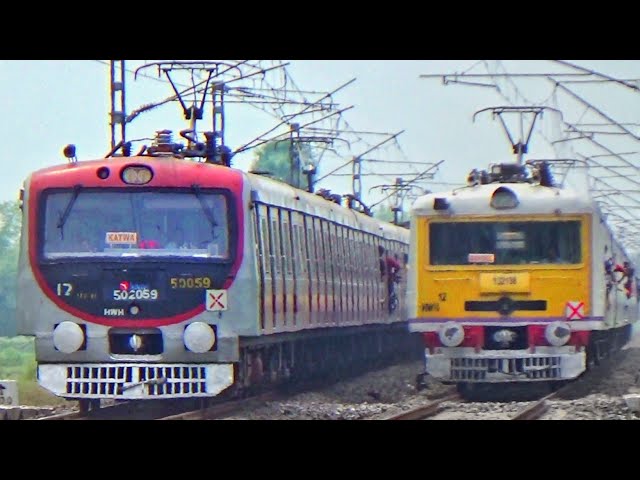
x=216, y=300
x=575, y=310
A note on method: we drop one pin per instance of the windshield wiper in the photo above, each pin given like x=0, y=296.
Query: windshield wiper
x=67, y=210
x=205, y=208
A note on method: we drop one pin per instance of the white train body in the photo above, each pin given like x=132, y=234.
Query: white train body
x=291, y=265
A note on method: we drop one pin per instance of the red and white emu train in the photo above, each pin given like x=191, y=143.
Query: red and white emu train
x=160, y=277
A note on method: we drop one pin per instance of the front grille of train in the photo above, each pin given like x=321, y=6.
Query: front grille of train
x=158, y=381
x=529, y=368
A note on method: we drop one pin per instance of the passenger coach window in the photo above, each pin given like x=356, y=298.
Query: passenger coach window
x=504, y=243
x=136, y=224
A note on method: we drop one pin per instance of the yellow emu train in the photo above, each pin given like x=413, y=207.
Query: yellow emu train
x=515, y=279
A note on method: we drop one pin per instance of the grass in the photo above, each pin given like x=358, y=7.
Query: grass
x=18, y=362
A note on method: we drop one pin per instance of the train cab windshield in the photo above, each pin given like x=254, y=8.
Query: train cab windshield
x=125, y=224
x=505, y=243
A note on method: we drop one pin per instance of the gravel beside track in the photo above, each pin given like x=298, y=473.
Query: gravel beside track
x=376, y=395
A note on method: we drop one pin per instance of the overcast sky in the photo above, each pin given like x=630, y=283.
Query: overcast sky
x=48, y=104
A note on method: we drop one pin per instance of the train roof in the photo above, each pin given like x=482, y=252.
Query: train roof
x=530, y=199
x=281, y=194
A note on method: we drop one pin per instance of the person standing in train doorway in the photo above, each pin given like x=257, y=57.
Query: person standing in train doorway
x=389, y=270
x=628, y=274
x=609, y=262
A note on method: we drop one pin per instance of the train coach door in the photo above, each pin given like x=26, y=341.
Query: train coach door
x=312, y=271
x=340, y=273
x=300, y=274
x=370, y=257
x=358, y=269
x=617, y=287
x=277, y=275
x=404, y=278
x=349, y=254
x=320, y=259
x=265, y=260
x=329, y=252
x=288, y=275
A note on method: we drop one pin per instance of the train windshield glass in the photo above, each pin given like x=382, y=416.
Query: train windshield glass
x=505, y=243
x=88, y=223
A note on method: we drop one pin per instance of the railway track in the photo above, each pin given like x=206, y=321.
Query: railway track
x=226, y=408
x=148, y=410
x=64, y=416
x=535, y=410
x=176, y=411
x=538, y=408
x=427, y=410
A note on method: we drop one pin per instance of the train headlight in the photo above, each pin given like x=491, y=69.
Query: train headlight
x=558, y=333
x=451, y=334
x=504, y=198
x=136, y=175
x=199, y=337
x=68, y=337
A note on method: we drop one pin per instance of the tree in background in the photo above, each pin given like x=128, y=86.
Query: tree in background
x=277, y=159
x=383, y=213
x=10, y=224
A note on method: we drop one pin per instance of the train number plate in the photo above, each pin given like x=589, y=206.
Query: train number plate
x=504, y=282
x=136, y=294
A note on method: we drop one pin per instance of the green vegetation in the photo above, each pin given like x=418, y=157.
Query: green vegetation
x=17, y=354
x=277, y=159
x=17, y=358
x=17, y=362
x=10, y=223
x=383, y=213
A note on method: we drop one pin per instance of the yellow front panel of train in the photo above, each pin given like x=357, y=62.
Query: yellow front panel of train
x=495, y=267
